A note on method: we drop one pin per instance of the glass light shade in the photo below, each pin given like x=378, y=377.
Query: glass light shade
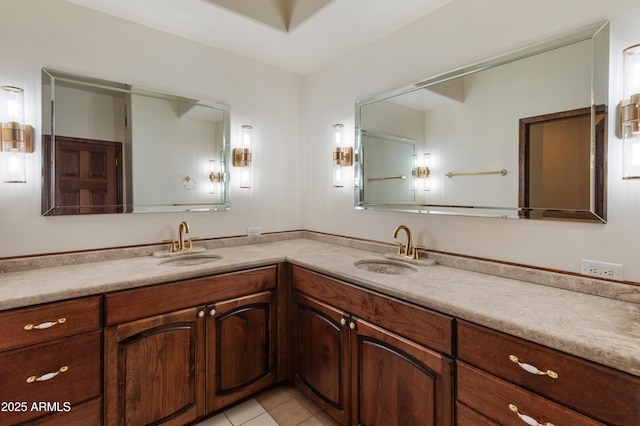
x=12, y=105
x=14, y=162
x=246, y=174
x=212, y=173
x=337, y=145
x=630, y=113
x=337, y=177
x=631, y=150
x=426, y=163
x=631, y=70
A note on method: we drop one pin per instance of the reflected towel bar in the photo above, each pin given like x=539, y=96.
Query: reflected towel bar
x=498, y=172
x=387, y=178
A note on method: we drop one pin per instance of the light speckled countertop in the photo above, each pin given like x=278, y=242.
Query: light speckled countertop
x=600, y=329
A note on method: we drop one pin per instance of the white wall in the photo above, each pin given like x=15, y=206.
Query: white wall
x=66, y=37
x=463, y=32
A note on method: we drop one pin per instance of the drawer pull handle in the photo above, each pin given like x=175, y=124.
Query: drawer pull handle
x=528, y=420
x=531, y=369
x=45, y=325
x=47, y=376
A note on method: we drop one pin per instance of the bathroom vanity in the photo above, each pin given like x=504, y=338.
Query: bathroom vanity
x=134, y=341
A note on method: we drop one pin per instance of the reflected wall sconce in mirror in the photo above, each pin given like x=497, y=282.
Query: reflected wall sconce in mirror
x=242, y=156
x=16, y=135
x=342, y=155
x=630, y=113
x=422, y=172
x=215, y=177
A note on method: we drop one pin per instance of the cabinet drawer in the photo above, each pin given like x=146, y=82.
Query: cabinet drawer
x=65, y=371
x=26, y=326
x=467, y=417
x=504, y=402
x=601, y=392
x=84, y=414
x=144, y=302
x=428, y=328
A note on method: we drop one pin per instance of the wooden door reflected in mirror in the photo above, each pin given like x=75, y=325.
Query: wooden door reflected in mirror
x=558, y=164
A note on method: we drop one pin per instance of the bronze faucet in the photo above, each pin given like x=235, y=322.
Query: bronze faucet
x=409, y=250
x=181, y=244
x=183, y=228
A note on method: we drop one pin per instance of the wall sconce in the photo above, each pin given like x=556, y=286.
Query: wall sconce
x=630, y=113
x=422, y=172
x=342, y=156
x=242, y=156
x=16, y=136
x=215, y=176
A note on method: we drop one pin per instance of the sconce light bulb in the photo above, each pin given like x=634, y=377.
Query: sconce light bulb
x=337, y=177
x=246, y=136
x=245, y=178
x=16, y=169
x=631, y=71
x=12, y=104
x=337, y=135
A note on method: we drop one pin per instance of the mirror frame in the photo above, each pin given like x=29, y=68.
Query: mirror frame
x=599, y=34
x=50, y=206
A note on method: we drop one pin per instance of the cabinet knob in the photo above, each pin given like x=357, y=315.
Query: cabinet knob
x=45, y=325
x=212, y=312
x=343, y=321
x=47, y=376
x=352, y=325
x=532, y=369
x=200, y=314
x=527, y=419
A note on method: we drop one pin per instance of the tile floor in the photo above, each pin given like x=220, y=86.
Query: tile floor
x=283, y=405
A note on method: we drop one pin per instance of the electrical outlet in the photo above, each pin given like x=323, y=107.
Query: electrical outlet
x=254, y=230
x=593, y=268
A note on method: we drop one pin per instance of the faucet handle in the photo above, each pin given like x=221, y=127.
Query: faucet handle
x=416, y=254
x=401, y=248
x=188, y=245
x=173, y=246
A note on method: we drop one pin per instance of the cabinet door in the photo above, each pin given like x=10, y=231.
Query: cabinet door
x=154, y=370
x=321, y=355
x=398, y=382
x=241, y=342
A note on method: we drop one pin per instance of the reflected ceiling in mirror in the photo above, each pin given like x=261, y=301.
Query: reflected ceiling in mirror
x=468, y=123
x=114, y=148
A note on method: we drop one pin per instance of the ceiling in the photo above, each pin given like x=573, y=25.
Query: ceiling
x=296, y=35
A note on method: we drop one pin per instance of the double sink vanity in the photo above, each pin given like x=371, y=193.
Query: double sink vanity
x=372, y=336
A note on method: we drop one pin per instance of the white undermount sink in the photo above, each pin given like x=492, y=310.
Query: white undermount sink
x=190, y=259
x=387, y=267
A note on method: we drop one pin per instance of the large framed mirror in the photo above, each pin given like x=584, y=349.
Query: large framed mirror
x=521, y=135
x=110, y=147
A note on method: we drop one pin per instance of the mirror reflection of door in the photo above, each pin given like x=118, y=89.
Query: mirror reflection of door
x=389, y=172
x=557, y=166
x=87, y=175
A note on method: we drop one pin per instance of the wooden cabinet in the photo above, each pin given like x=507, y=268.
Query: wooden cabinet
x=241, y=348
x=321, y=354
x=153, y=369
x=170, y=363
x=356, y=354
x=50, y=366
x=524, y=378
x=398, y=382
